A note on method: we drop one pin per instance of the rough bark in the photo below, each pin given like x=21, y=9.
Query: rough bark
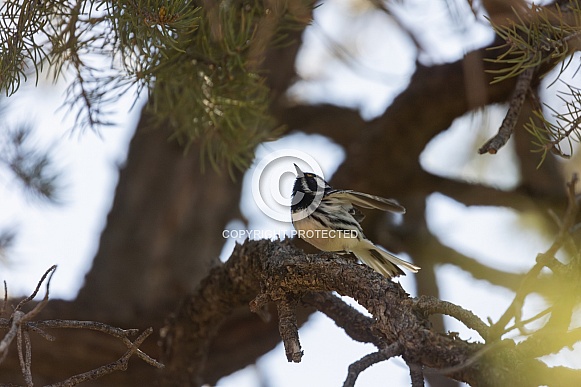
x=262, y=272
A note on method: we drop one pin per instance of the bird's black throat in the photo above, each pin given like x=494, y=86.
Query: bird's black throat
x=300, y=198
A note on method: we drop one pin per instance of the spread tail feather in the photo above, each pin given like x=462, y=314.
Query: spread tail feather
x=383, y=261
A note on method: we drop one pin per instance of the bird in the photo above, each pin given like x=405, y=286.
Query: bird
x=329, y=219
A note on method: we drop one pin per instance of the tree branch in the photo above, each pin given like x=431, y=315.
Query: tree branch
x=432, y=305
x=289, y=330
x=270, y=271
x=517, y=100
x=355, y=324
x=368, y=360
x=547, y=259
x=19, y=324
x=416, y=375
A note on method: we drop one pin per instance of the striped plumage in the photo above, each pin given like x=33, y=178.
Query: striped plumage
x=328, y=219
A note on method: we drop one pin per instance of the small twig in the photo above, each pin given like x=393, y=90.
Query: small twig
x=14, y=324
x=119, y=365
x=19, y=326
x=119, y=333
x=27, y=365
x=40, y=332
x=260, y=306
x=79, y=324
x=416, y=374
x=38, y=285
x=288, y=328
x=546, y=259
x=432, y=305
x=3, y=309
x=24, y=357
x=17, y=319
x=367, y=361
x=529, y=320
x=510, y=120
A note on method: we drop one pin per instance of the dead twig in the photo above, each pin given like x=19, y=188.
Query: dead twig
x=289, y=331
x=19, y=326
x=12, y=326
x=119, y=365
x=367, y=361
x=46, y=274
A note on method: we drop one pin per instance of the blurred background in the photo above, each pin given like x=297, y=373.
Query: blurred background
x=386, y=98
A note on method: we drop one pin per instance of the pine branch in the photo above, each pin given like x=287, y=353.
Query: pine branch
x=201, y=66
x=31, y=167
x=537, y=40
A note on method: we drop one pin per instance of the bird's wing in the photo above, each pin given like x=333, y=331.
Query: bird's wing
x=368, y=201
x=356, y=213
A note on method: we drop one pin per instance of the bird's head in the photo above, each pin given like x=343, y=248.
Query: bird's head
x=307, y=188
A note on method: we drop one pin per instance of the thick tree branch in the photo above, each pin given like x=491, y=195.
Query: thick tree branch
x=431, y=305
x=356, y=325
x=266, y=270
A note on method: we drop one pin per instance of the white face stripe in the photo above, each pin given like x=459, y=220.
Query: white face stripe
x=321, y=184
x=320, y=190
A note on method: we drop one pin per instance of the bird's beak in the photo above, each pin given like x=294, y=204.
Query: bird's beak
x=299, y=172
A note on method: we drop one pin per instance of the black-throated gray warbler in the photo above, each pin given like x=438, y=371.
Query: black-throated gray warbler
x=327, y=219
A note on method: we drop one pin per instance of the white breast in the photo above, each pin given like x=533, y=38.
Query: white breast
x=323, y=238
